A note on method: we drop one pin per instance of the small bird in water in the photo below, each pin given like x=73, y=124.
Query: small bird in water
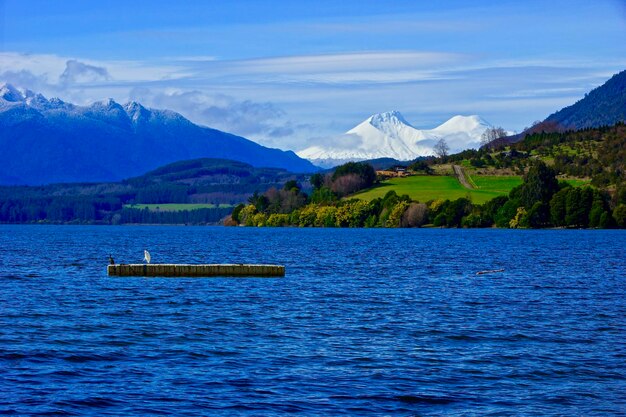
x=111, y=261
x=146, y=256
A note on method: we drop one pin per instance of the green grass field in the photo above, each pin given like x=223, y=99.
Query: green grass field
x=578, y=183
x=425, y=188
x=175, y=206
x=500, y=184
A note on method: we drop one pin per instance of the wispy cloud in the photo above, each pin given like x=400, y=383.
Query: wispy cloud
x=355, y=68
x=220, y=111
x=51, y=68
x=394, y=24
x=292, y=102
x=356, y=60
x=541, y=92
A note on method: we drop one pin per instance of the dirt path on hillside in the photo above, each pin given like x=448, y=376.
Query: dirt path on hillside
x=460, y=175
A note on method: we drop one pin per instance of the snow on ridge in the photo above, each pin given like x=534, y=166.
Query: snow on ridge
x=135, y=110
x=389, y=135
x=381, y=120
x=462, y=124
x=10, y=93
x=107, y=103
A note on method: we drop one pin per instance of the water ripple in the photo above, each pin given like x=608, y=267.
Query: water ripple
x=366, y=322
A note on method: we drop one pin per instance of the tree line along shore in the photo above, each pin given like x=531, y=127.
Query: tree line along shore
x=541, y=201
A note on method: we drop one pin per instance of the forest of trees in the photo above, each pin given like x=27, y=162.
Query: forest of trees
x=595, y=153
x=201, y=216
x=204, y=181
x=540, y=201
x=103, y=210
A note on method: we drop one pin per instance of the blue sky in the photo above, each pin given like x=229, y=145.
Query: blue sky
x=288, y=73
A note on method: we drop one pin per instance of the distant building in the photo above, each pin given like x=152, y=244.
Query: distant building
x=393, y=172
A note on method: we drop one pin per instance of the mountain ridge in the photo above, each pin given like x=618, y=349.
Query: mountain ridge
x=603, y=106
x=49, y=140
x=390, y=135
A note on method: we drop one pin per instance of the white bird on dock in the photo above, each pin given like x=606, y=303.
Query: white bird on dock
x=146, y=256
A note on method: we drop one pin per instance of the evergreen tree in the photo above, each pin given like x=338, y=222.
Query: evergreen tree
x=539, y=184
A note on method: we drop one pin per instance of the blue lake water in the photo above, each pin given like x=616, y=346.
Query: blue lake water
x=366, y=322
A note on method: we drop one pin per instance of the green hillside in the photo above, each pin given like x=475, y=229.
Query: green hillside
x=426, y=188
x=597, y=155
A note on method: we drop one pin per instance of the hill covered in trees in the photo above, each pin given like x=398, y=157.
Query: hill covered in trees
x=218, y=184
x=602, y=106
x=597, y=154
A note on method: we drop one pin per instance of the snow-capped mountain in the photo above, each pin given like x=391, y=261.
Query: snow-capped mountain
x=10, y=94
x=44, y=141
x=389, y=135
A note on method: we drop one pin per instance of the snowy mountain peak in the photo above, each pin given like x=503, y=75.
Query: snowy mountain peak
x=132, y=106
x=107, y=103
x=134, y=110
x=107, y=109
x=37, y=101
x=463, y=124
x=384, y=120
x=57, y=102
x=11, y=96
x=10, y=93
x=389, y=135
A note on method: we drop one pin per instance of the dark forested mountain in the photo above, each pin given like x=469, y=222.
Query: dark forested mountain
x=215, y=181
x=386, y=163
x=602, y=106
x=46, y=141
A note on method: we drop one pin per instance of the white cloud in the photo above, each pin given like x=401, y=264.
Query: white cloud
x=341, y=142
x=45, y=67
x=78, y=72
x=246, y=118
x=51, y=69
x=23, y=78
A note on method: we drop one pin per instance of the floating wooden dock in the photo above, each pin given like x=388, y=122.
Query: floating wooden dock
x=186, y=270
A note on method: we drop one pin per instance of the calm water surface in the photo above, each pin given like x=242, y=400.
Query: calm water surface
x=366, y=322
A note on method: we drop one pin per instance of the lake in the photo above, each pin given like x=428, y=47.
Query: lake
x=365, y=322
